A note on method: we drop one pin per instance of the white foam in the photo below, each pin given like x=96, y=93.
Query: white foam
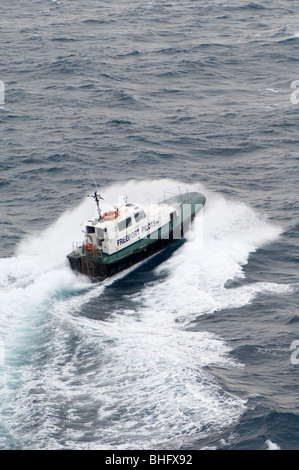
x=38, y=273
x=198, y=273
x=142, y=370
x=273, y=90
x=271, y=445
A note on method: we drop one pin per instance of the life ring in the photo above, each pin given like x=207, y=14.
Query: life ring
x=89, y=248
x=110, y=215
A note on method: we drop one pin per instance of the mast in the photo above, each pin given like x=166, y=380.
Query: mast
x=97, y=198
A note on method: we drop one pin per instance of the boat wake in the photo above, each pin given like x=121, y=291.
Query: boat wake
x=139, y=377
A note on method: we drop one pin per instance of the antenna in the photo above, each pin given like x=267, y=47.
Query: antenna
x=84, y=181
x=95, y=185
x=97, y=198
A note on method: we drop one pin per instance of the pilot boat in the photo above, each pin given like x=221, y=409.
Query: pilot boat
x=129, y=233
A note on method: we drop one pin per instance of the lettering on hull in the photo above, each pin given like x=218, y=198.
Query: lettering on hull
x=136, y=233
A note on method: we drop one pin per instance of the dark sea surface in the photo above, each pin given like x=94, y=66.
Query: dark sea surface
x=195, y=348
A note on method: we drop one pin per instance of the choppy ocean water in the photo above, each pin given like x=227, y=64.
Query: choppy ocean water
x=196, y=348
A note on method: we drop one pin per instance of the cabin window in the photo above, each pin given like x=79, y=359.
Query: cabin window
x=139, y=216
x=124, y=224
x=90, y=229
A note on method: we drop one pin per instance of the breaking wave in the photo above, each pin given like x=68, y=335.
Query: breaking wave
x=139, y=377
